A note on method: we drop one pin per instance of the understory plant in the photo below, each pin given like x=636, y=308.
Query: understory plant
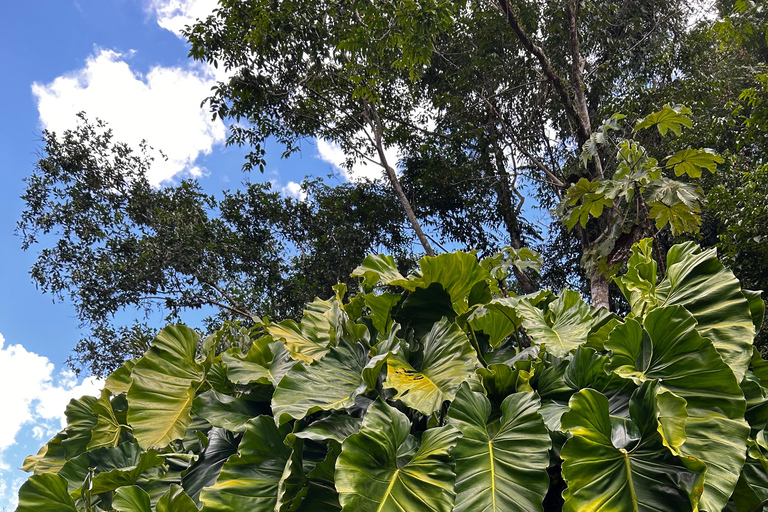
x=437, y=391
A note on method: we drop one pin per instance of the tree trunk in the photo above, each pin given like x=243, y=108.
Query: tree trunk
x=375, y=123
x=598, y=285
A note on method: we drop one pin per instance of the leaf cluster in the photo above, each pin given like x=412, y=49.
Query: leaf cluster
x=434, y=391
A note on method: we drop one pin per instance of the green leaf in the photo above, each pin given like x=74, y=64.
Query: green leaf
x=381, y=309
x=668, y=118
x=249, y=479
x=668, y=349
x=592, y=199
x=265, y=362
x=377, y=268
x=448, y=359
x=562, y=328
x=692, y=161
x=131, y=499
x=457, y=272
x=45, y=492
x=310, y=340
x=500, y=466
x=176, y=500
x=336, y=427
x=49, y=459
x=756, y=307
x=380, y=468
x=225, y=411
x=330, y=384
x=206, y=469
x=80, y=424
x=119, y=381
x=497, y=319
x=638, y=285
x=698, y=281
x=612, y=463
x=108, y=428
x=752, y=489
x=164, y=385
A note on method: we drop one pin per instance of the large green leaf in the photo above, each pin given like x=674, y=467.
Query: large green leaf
x=120, y=380
x=498, y=319
x=163, y=387
x=49, y=459
x=80, y=424
x=447, y=360
x=698, y=281
x=693, y=161
x=500, y=466
x=381, y=309
x=131, y=498
x=310, y=340
x=249, y=480
x=563, y=327
x=176, y=500
x=222, y=410
x=45, y=492
x=639, y=283
x=330, y=384
x=457, y=272
x=265, y=362
x=108, y=428
x=379, y=267
x=613, y=463
x=668, y=118
x=206, y=469
x=382, y=468
x=668, y=349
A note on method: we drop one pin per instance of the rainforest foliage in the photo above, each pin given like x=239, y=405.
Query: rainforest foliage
x=437, y=390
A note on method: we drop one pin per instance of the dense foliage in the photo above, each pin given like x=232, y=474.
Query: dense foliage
x=439, y=391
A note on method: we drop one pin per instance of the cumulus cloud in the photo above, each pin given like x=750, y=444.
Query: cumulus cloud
x=174, y=15
x=332, y=153
x=38, y=395
x=161, y=107
x=294, y=189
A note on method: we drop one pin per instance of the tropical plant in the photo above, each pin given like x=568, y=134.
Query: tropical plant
x=438, y=391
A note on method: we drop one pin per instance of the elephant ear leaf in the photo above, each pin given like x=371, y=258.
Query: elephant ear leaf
x=265, y=362
x=249, y=480
x=448, y=360
x=163, y=386
x=613, y=463
x=176, y=500
x=131, y=498
x=668, y=349
x=701, y=284
x=380, y=468
x=45, y=492
x=311, y=339
x=501, y=466
x=330, y=384
x=562, y=328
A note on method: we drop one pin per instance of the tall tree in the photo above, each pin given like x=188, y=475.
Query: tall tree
x=111, y=242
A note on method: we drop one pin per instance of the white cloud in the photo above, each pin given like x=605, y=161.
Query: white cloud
x=174, y=15
x=332, y=153
x=294, y=189
x=161, y=107
x=36, y=396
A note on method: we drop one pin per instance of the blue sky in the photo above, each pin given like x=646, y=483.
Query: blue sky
x=121, y=61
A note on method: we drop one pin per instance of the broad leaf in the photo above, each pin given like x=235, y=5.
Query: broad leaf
x=668, y=349
x=448, y=360
x=382, y=468
x=698, y=281
x=330, y=384
x=45, y=492
x=80, y=424
x=668, y=118
x=693, y=161
x=377, y=268
x=585, y=199
x=500, y=466
x=249, y=479
x=225, y=411
x=497, y=319
x=163, y=387
x=206, y=469
x=131, y=499
x=120, y=380
x=108, y=428
x=265, y=362
x=562, y=328
x=176, y=500
x=613, y=463
x=310, y=340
